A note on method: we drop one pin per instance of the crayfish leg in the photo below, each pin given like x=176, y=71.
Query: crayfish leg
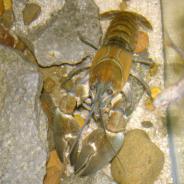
x=141, y=80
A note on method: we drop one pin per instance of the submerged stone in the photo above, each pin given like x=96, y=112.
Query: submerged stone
x=68, y=104
x=22, y=122
x=31, y=13
x=141, y=160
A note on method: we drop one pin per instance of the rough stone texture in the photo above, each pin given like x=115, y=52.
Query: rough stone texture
x=78, y=20
x=98, y=178
x=47, y=10
x=23, y=145
x=141, y=160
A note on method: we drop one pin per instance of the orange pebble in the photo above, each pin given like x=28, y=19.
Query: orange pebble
x=79, y=119
x=55, y=169
x=155, y=91
x=142, y=42
x=149, y=105
x=5, y=37
x=7, y=4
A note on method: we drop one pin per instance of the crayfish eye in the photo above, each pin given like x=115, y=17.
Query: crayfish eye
x=109, y=91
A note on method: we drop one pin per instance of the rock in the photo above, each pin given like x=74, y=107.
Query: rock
x=81, y=91
x=47, y=10
x=22, y=122
x=55, y=169
x=7, y=18
x=6, y=38
x=141, y=160
x=78, y=20
x=49, y=84
x=147, y=124
x=31, y=13
x=68, y=104
x=6, y=13
x=99, y=178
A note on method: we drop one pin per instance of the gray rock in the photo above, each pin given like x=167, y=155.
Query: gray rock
x=23, y=144
x=47, y=10
x=61, y=41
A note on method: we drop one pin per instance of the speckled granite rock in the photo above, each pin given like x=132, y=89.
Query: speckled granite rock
x=23, y=144
x=98, y=178
x=141, y=160
x=78, y=20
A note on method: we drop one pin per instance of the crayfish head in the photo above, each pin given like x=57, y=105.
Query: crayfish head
x=102, y=95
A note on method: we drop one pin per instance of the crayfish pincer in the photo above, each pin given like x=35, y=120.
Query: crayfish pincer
x=108, y=74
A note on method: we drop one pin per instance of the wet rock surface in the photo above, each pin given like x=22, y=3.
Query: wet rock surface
x=77, y=20
x=22, y=122
x=141, y=160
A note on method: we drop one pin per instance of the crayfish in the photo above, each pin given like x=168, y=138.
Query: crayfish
x=108, y=75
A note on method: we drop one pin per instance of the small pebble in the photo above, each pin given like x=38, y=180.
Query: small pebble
x=142, y=43
x=49, y=85
x=54, y=169
x=147, y=124
x=68, y=85
x=7, y=18
x=67, y=104
x=155, y=91
x=80, y=91
x=79, y=119
x=30, y=13
x=154, y=69
x=6, y=38
x=149, y=104
x=7, y=4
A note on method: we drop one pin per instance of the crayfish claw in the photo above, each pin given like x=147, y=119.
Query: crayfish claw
x=98, y=149
x=65, y=132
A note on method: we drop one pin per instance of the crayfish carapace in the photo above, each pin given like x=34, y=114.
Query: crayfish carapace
x=108, y=74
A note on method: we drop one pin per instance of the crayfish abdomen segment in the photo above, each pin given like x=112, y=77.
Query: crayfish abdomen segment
x=112, y=61
x=111, y=64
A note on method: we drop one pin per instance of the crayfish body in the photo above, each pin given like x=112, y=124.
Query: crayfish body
x=108, y=74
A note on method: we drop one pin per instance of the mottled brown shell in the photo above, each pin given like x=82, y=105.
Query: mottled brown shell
x=111, y=64
x=112, y=61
